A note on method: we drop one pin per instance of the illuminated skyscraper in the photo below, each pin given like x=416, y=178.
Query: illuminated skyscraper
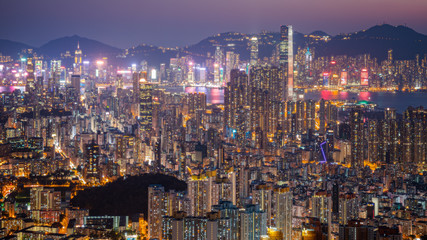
x=286, y=57
x=253, y=223
x=219, y=55
x=357, y=137
x=156, y=210
x=283, y=211
x=92, y=155
x=31, y=81
x=235, y=99
x=348, y=208
x=364, y=80
x=228, y=211
x=145, y=102
x=198, y=193
x=78, y=60
x=322, y=206
x=254, y=51
x=231, y=62
x=44, y=199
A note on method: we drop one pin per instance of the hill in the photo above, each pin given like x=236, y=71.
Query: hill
x=89, y=47
x=12, y=48
x=124, y=197
x=377, y=40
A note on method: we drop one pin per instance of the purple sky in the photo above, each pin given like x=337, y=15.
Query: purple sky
x=124, y=23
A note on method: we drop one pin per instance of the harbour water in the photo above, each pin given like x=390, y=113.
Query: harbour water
x=398, y=100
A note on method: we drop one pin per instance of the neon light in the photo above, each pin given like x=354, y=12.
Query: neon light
x=323, y=152
x=124, y=71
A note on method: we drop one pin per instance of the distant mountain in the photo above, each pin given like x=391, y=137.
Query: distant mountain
x=239, y=43
x=376, y=41
x=12, y=48
x=89, y=47
x=319, y=33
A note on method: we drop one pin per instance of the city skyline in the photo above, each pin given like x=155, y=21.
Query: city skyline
x=276, y=135
x=129, y=23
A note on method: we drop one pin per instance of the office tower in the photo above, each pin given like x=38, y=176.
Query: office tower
x=283, y=211
x=231, y=62
x=348, y=208
x=253, y=223
x=75, y=83
x=162, y=73
x=92, y=155
x=357, y=137
x=78, y=61
x=198, y=192
x=219, y=56
x=135, y=96
x=228, y=211
x=156, y=210
x=286, y=57
x=254, y=51
x=145, y=103
x=30, y=87
x=364, y=81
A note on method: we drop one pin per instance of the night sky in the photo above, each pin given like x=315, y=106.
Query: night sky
x=124, y=23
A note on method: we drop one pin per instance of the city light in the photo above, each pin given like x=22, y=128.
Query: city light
x=262, y=134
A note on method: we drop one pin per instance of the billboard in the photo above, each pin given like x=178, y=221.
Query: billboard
x=344, y=77
x=325, y=79
x=364, y=77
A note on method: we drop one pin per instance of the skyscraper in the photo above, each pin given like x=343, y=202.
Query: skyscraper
x=198, y=193
x=92, y=156
x=254, y=51
x=31, y=81
x=253, y=223
x=283, y=211
x=357, y=137
x=156, y=210
x=78, y=60
x=145, y=103
x=286, y=57
x=75, y=83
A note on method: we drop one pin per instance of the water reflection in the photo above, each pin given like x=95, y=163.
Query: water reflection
x=213, y=95
x=9, y=89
